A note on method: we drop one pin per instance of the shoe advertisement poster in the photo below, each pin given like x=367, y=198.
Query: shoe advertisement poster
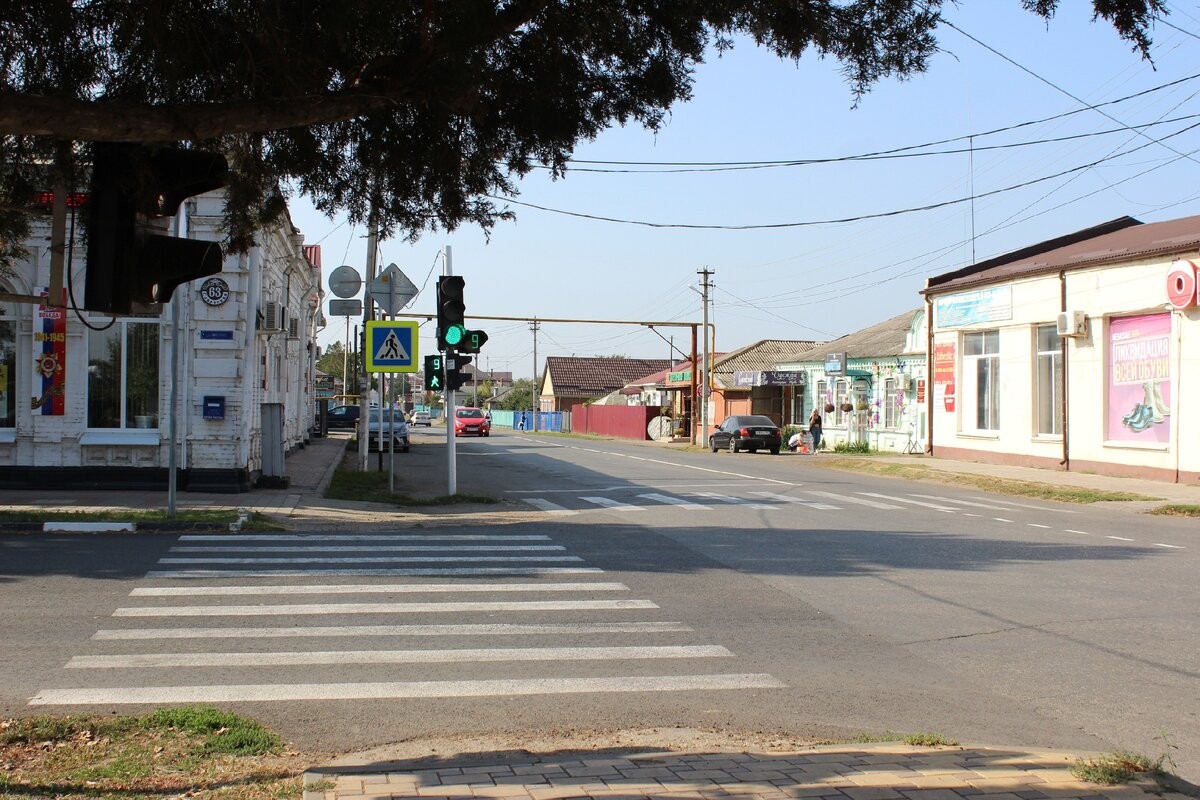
x=1139, y=379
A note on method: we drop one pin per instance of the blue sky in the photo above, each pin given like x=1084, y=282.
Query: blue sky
x=822, y=280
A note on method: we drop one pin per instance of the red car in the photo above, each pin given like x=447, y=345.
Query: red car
x=472, y=421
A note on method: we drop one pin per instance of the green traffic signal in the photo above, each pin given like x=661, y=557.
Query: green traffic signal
x=454, y=335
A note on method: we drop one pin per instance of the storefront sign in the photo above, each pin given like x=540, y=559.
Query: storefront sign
x=49, y=358
x=220, y=336
x=945, y=360
x=679, y=377
x=1139, y=379
x=835, y=363
x=920, y=390
x=968, y=308
x=214, y=292
x=747, y=378
x=1183, y=285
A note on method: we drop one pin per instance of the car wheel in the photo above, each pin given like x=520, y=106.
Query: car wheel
x=733, y=445
x=753, y=450
x=713, y=442
x=774, y=451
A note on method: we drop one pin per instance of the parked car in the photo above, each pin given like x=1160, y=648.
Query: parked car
x=421, y=418
x=473, y=421
x=399, y=432
x=341, y=418
x=751, y=432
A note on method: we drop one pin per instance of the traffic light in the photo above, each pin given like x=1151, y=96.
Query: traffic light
x=434, y=381
x=125, y=263
x=451, y=312
x=472, y=342
x=455, y=377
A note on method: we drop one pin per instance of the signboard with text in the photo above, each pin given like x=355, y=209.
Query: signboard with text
x=945, y=361
x=969, y=308
x=1139, y=379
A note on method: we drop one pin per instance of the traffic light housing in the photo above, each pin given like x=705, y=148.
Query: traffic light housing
x=125, y=263
x=472, y=342
x=451, y=312
x=435, y=380
x=455, y=377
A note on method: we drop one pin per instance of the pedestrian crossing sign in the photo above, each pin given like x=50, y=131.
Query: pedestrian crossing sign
x=391, y=346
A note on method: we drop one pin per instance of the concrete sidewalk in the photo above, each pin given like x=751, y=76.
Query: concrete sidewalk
x=836, y=772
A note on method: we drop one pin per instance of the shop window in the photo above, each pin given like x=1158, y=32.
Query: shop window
x=891, y=403
x=981, y=380
x=8, y=365
x=1049, y=381
x=843, y=399
x=123, y=375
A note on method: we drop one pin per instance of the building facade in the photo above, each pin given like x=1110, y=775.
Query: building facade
x=86, y=398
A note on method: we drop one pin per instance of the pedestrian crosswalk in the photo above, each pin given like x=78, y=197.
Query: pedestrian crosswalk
x=211, y=624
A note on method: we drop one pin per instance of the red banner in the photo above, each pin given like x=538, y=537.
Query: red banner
x=50, y=358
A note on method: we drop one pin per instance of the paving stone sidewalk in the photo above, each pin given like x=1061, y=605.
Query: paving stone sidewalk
x=836, y=772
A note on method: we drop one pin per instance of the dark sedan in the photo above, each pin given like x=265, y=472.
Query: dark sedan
x=750, y=432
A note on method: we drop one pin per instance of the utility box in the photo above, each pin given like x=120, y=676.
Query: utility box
x=214, y=406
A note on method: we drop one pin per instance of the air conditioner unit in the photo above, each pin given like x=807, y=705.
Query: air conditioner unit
x=907, y=383
x=293, y=327
x=272, y=317
x=1072, y=323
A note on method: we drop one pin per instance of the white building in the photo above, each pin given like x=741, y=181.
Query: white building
x=85, y=399
x=1081, y=353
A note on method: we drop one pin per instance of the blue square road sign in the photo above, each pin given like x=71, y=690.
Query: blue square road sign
x=392, y=346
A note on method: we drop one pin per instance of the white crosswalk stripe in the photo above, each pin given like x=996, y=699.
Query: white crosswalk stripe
x=545, y=505
x=787, y=498
x=323, y=631
x=379, y=548
x=305, y=609
x=667, y=499
x=845, y=498
x=359, y=559
x=376, y=572
x=956, y=502
x=910, y=501
x=723, y=498
x=360, y=537
x=374, y=588
x=615, y=505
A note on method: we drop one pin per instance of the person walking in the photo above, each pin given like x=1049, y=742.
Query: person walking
x=814, y=428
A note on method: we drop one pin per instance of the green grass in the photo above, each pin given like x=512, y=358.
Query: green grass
x=1112, y=768
x=223, y=732
x=913, y=739
x=372, y=487
x=1177, y=510
x=863, y=448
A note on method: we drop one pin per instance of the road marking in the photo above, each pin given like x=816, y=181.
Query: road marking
x=1026, y=505
x=1001, y=519
x=910, y=501
x=969, y=514
x=495, y=629
x=1119, y=538
x=396, y=690
x=404, y=548
x=674, y=501
x=609, y=503
x=787, y=498
x=397, y=572
x=356, y=537
x=1172, y=546
x=1082, y=533
x=545, y=505
x=961, y=502
x=362, y=559
x=857, y=500
x=375, y=588
x=463, y=656
x=1036, y=525
x=737, y=501
x=381, y=608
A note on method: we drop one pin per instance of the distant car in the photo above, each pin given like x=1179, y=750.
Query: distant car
x=421, y=418
x=399, y=431
x=471, y=421
x=341, y=418
x=751, y=432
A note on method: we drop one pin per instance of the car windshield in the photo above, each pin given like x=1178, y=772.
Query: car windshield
x=473, y=413
x=756, y=420
x=397, y=415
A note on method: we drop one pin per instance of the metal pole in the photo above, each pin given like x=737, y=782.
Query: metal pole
x=173, y=414
x=536, y=387
x=364, y=403
x=391, y=403
x=706, y=378
x=346, y=358
x=451, y=453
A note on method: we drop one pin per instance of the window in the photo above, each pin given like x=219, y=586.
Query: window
x=842, y=398
x=891, y=403
x=8, y=365
x=123, y=375
x=821, y=398
x=1049, y=381
x=981, y=379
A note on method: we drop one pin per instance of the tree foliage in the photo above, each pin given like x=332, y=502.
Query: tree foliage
x=428, y=110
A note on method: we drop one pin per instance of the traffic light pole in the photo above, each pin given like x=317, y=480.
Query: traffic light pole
x=448, y=404
x=364, y=401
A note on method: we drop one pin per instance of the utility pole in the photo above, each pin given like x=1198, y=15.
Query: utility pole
x=364, y=402
x=535, y=326
x=448, y=403
x=705, y=378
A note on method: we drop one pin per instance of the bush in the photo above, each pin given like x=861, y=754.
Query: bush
x=852, y=447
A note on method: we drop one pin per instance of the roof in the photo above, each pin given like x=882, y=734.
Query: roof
x=486, y=375
x=1120, y=240
x=885, y=338
x=763, y=355
x=578, y=376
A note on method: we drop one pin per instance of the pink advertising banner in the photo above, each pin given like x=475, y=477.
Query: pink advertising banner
x=1139, y=379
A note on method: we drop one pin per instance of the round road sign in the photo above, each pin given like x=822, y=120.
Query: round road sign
x=345, y=281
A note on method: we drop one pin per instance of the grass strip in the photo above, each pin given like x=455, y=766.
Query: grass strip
x=1008, y=486
x=372, y=487
x=1113, y=768
x=197, y=752
x=1177, y=510
x=119, y=515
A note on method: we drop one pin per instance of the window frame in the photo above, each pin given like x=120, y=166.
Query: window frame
x=891, y=392
x=983, y=419
x=123, y=417
x=1056, y=387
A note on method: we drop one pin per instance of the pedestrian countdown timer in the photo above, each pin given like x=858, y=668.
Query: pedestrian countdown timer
x=391, y=346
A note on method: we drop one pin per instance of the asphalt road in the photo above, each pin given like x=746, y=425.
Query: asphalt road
x=635, y=587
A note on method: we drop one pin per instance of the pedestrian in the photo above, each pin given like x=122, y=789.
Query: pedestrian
x=814, y=428
x=795, y=441
x=521, y=422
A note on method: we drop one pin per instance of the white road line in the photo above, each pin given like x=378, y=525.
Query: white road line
x=910, y=501
x=961, y=502
x=1027, y=505
x=736, y=501
x=381, y=608
x=364, y=559
x=463, y=656
x=1082, y=533
x=1119, y=538
x=609, y=503
x=856, y=500
x=674, y=501
x=787, y=498
x=542, y=504
x=1036, y=525
x=1172, y=546
x=375, y=588
x=1001, y=519
x=357, y=537
x=494, y=629
x=406, y=572
x=395, y=690
x=404, y=548
x=969, y=514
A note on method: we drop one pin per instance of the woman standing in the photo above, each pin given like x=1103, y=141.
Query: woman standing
x=814, y=427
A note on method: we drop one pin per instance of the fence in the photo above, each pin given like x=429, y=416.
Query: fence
x=621, y=422
x=557, y=421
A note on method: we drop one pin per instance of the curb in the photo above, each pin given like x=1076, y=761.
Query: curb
x=123, y=527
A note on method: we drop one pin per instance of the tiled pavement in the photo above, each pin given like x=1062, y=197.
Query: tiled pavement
x=833, y=772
